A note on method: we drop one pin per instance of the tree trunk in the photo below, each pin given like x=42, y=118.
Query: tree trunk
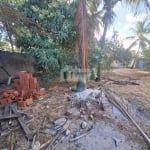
x=11, y=41
x=134, y=61
x=7, y=26
x=98, y=72
x=82, y=43
x=81, y=84
x=102, y=45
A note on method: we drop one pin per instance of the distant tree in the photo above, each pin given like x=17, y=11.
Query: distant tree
x=140, y=37
x=146, y=55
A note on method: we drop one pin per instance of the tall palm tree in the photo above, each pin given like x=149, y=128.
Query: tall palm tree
x=107, y=19
x=81, y=42
x=87, y=19
x=140, y=37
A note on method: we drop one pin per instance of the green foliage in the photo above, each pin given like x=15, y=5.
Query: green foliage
x=4, y=45
x=146, y=55
x=123, y=56
x=105, y=57
x=51, y=45
x=119, y=53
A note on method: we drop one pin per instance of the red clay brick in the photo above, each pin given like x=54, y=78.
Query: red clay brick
x=29, y=101
x=3, y=101
x=30, y=75
x=12, y=96
x=16, y=93
x=23, y=93
x=9, y=100
x=22, y=103
x=5, y=95
x=21, y=73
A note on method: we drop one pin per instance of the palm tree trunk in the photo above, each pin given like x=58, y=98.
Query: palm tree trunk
x=104, y=36
x=102, y=44
x=82, y=43
x=82, y=78
x=99, y=72
x=135, y=59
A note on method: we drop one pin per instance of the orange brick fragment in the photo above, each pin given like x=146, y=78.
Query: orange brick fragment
x=22, y=103
x=29, y=101
x=5, y=95
x=16, y=93
x=3, y=101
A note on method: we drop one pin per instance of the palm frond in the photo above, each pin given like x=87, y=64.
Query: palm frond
x=133, y=44
x=130, y=37
x=136, y=4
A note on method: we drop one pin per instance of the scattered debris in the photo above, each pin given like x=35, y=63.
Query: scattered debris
x=60, y=122
x=83, y=125
x=123, y=82
x=67, y=132
x=82, y=135
x=68, y=120
x=116, y=100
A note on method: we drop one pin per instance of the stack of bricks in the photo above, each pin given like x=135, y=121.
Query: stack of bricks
x=26, y=89
x=8, y=96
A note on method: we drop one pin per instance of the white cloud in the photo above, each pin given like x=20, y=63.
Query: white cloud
x=131, y=18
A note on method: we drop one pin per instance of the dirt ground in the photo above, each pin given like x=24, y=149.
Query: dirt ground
x=138, y=95
x=111, y=130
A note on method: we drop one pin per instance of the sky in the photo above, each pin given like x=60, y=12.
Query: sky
x=124, y=20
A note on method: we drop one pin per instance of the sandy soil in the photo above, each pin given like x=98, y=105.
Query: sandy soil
x=107, y=126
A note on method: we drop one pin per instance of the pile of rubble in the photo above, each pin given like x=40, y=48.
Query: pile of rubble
x=25, y=90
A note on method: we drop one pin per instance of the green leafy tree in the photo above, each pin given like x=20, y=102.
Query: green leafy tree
x=146, y=55
x=140, y=37
x=53, y=40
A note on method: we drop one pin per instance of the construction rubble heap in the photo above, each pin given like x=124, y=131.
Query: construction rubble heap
x=25, y=90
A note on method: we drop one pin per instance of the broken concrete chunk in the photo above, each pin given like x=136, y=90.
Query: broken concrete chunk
x=88, y=94
x=83, y=125
x=60, y=121
x=36, y=145
x=67, y=132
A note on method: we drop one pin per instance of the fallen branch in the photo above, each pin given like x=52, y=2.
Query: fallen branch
x=80, y=136
x=28, y=133
x=45, y=144
x=8, y=117
x=114, y=99
x=122, y=82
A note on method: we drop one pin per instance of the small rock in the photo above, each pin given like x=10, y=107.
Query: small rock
x=88, y=104
x=60, y=121
x=36, y=145
x=47, y=106
x=83, y=125
x=67, y=132
x=81, y=116
x=76, y=134
x=91, y=117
